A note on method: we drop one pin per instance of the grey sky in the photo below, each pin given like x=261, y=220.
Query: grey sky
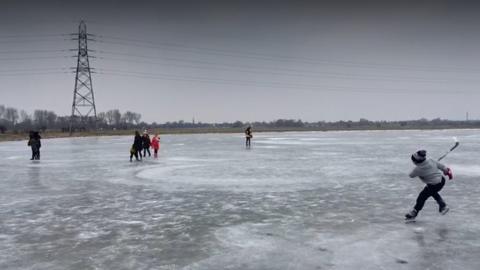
x=248, y=60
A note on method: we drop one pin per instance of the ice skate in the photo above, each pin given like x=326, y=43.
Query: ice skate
x=410, y=216
x=444, y=210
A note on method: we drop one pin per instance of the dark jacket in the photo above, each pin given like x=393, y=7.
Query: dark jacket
x=248, y=133
x=137, y=143
x=34, y=140
x=146, y=141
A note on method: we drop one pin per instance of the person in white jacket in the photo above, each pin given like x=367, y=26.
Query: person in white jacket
x=430, y=172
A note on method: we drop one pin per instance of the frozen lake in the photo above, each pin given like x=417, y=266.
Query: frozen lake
x=311, y=200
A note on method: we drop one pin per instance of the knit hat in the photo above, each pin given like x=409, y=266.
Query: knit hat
x=419, y=156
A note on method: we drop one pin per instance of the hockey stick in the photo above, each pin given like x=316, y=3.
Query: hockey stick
x=451, y=149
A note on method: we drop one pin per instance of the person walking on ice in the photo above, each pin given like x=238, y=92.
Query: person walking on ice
x=137, y=147
x=35, y=143
x=146, y=144
x=155, y=145
x=430, y=172
x=248, y=136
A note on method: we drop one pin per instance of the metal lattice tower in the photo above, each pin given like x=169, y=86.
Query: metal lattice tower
x=83, y=107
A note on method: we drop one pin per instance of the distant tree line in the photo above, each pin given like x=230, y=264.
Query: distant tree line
x=290, y=124
x=13, y=120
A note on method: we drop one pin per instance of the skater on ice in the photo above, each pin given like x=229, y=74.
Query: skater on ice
x=137, y=146
x=248, y=136
x=146, y=144
x=35, y=143
x=155, y=145
x=133, y=152
x=430, y=172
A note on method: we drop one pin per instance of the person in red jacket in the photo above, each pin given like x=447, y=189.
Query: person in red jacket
x=155, y=145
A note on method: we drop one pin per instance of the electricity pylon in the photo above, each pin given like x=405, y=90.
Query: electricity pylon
x=83, y=107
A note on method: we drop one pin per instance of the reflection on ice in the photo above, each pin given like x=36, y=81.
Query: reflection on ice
x=313, y=200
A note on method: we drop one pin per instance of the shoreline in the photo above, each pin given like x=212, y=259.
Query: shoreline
x=57, y=134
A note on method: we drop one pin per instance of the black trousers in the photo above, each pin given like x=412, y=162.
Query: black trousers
x=430, y=190
x=35, y=153
x=247, y=141
x=145, y=150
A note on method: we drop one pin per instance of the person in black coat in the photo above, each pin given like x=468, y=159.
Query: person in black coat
x=248, y=136
x=136, y=147
x=35, y=143
x=146, y=144
x=30, y=140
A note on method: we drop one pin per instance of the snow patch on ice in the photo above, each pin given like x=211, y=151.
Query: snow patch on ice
x=285, y=142
x=268, y=147
x=88, y=235
x=15, y=157
x=159, y=173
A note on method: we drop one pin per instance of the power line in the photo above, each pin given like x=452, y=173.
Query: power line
x=282, y=72
x=315, y=88
x=32, y=51
x=29, y=58
x=214, y=51
x=226, y=67
x=29, y=36
x=240, y=68
x=32, y=69
x=33, y=73
x=270, y=57
x=30, y=41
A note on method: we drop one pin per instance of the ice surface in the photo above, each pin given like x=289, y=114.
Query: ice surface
x=311, y=200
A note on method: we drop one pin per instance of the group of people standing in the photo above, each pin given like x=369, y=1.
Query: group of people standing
x=143, y=144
